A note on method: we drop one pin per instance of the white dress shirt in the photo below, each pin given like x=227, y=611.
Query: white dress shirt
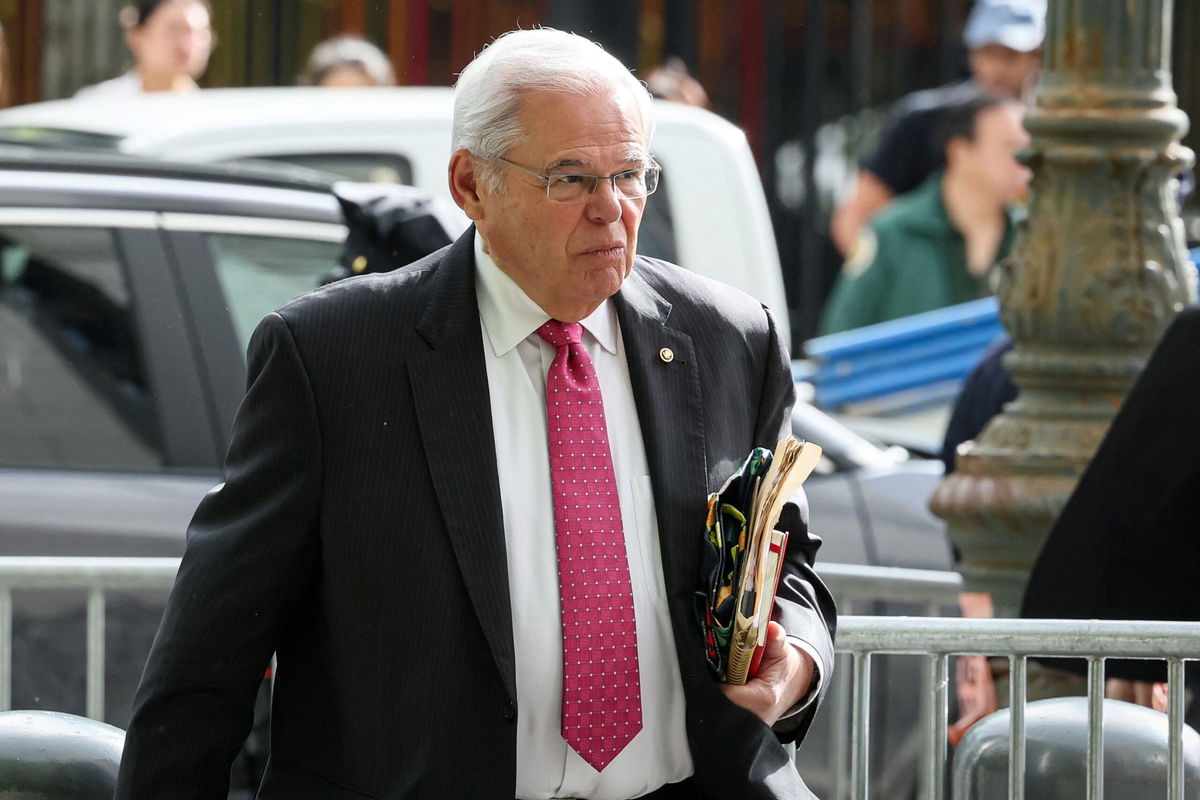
x=517, y=361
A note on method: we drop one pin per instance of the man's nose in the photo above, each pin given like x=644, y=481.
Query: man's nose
x=604, y=204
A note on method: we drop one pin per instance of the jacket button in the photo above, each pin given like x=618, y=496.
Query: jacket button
x=510, y=710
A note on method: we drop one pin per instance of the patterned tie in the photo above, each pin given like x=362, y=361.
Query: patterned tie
x=602, y=699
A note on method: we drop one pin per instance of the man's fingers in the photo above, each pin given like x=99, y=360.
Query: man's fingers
x=776, y=642
x=784, y=675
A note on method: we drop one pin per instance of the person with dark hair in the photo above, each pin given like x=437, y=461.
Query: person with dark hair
x=985, y=392
x=672, y=81
x=170, y=40
x=935, y=246
x=390, y=225
x=1003, y=39
x=348, y=61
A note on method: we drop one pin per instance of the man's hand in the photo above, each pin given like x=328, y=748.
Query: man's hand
x=783, y=679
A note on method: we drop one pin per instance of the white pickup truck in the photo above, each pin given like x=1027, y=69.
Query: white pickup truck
x=710, y=214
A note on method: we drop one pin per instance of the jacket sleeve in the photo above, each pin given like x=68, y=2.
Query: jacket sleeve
x=251, y=552
x=803, y=605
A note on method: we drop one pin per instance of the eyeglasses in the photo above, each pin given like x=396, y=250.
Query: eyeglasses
x=563, y=188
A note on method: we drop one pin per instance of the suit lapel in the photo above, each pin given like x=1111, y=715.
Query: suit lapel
x=667, y=392
x=451, y=397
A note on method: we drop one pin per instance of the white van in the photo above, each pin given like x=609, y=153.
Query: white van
x=710, y=215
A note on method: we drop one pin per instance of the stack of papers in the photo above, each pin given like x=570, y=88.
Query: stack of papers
x=743, y=555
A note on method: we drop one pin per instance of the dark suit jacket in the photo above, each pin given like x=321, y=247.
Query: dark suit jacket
x=1126, y=545
x=358, y=534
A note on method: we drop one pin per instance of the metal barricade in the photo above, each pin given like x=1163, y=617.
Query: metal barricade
x=95, y=575
x=853, y=586
x=853, y=583
x=859, y=638
x=98, y=576
x=938, y=638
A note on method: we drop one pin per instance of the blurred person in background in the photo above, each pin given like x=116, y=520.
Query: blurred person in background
x=347, y=61
x=935, y=246
x=985, y=392
x=3, y=69
x=672, y=81
x=6, y=94
x=1125, y=545
x=1003, y=39
x=170, y=40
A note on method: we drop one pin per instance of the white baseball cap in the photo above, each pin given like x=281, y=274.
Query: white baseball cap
x=1017, y=24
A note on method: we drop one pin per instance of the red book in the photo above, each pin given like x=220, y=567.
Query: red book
x=774, y=569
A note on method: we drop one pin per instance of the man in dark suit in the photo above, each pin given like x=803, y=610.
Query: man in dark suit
x=423, y=481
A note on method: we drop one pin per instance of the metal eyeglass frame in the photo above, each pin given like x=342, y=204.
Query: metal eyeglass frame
x=651, y=169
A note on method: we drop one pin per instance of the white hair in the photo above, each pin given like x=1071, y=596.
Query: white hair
x=488, y=93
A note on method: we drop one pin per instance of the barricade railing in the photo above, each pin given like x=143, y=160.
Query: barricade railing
x=855, y=587
x=100, y=575
x=852, y=584
x=859, y=638
x=96, y=576
x=937, y=638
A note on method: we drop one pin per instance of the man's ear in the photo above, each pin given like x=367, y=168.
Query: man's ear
x=464, y=184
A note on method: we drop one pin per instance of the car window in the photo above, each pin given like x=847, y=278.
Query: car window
x=359, y=167
x=258, y=274
x=73, y=388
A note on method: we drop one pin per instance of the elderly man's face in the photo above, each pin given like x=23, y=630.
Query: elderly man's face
x=567, y=257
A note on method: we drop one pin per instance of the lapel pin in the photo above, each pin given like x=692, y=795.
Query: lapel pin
x=667, y=355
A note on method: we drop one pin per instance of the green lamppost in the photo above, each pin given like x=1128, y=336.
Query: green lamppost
x=1098, y=272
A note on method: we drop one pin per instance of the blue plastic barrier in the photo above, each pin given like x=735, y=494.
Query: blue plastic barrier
x=902, y=355
x=905, y=362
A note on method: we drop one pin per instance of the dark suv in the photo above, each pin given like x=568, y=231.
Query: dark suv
x=127, y=292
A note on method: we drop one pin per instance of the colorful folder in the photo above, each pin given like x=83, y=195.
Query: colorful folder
x=743, y=556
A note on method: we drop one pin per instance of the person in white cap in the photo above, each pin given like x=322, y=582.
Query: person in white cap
x=1003, y=39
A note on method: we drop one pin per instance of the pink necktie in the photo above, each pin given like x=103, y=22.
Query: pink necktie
x=602, y=701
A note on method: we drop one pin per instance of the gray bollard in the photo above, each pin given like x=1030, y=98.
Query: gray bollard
x=1056, y=736
x=45, y=755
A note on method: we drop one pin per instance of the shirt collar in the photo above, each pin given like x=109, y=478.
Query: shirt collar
x=510, y=316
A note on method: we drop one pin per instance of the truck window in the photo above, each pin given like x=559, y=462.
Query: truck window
x=360, y=167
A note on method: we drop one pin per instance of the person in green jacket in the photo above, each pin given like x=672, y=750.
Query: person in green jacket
x=936, y=245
